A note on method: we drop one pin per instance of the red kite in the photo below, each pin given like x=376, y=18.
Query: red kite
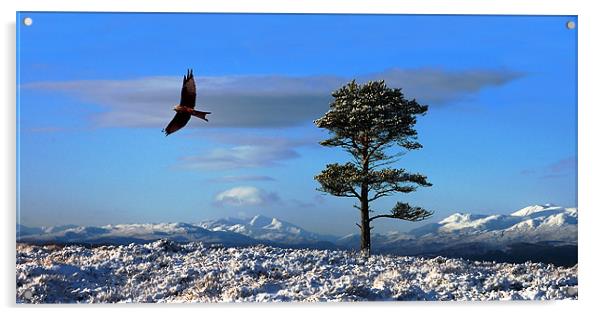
x=186, y=107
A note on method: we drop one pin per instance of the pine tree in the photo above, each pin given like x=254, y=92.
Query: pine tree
x=370, y=121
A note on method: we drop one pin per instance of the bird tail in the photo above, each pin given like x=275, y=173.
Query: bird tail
x=200, y=114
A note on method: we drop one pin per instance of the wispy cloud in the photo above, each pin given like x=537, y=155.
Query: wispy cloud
x=438, y=87
x=47, y=129
x=316, y=200
x=557, y=169
x=562, y=166
x=262, y=100
x=245, y=156
x=245, y=196
x=242, y=178
x=245, y=152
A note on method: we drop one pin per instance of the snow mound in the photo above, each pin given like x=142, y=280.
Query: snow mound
x=164, y=271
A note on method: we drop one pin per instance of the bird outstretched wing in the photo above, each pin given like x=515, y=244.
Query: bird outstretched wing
x=188, y=98
x=178, y=121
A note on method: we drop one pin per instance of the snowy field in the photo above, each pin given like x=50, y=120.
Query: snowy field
x=163, y=271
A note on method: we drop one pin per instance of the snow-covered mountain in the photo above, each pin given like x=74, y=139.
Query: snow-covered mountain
x=533, y=223
x=536, y=233
x=226, y=231
x=129, y=233
x=266, y=228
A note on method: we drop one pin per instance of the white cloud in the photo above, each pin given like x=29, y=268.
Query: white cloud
x=245, y=196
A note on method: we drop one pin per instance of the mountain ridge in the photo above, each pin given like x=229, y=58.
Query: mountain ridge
x=545, y=227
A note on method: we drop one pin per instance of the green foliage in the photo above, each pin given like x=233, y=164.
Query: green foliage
x=410, y=213
x=345, y=180
x=340, y=180
x=406, y=212
x=366, y=120
x=371, y=117
x=387, y=181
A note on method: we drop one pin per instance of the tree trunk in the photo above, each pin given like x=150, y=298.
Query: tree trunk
x=365, y=210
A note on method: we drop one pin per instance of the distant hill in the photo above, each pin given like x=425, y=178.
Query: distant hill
x=545, y=233
x=130, y=233
x=267, y=229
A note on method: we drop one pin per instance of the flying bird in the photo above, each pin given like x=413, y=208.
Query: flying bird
x=185, y=109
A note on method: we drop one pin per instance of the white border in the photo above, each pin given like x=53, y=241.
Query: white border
x=589, y=145
x=313, y=6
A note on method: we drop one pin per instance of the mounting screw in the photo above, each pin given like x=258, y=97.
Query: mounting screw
x=570, y=25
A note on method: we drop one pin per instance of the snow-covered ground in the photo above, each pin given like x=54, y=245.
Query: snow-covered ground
x=163, y=271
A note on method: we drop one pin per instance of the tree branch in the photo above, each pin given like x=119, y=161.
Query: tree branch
x=339, y=180
x=405, y=212
x=380, y=216
x=380, y=194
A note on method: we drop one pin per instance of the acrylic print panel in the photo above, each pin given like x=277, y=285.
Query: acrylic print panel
x=295, y=157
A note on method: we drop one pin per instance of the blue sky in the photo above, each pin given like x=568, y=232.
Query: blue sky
x=96, y=90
